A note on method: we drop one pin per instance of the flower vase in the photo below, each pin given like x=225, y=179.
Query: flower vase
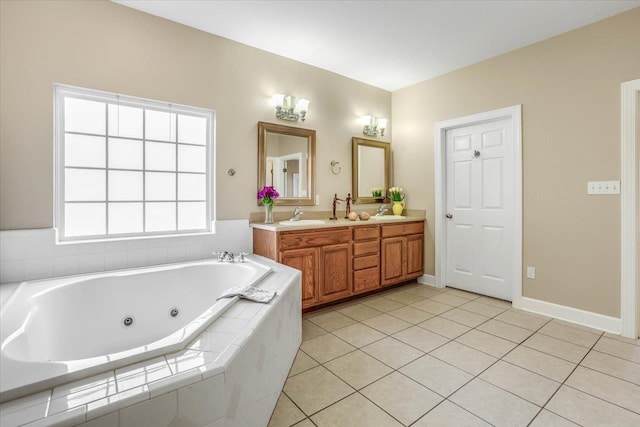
x=268, y=213
x=398, y=207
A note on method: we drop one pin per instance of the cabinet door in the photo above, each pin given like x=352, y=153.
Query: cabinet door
x=305, y=260
x=393, y=260
x=415, y=245
x=335, y=272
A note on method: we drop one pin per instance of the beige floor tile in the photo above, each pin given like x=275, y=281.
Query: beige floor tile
x=424, y=291
x=437, y=375
x=304, y=423
x=572, y=335
x=576, y=326
x=410, y=314
x=555, y=347
x=450, y=414
x=525, y=384
x=302, y=363
x=444, y=327
x=311, y=330
x=494, y=405
x=619, y=348
x=540, y=363
x=325, y=347
x=606, y=387
x=387, y=324
x=403, y=398
x=431, y=306
x=495, y=302
x=482, y=309
x=285, y=413
x=359, y=311
x=524, y=320
x=505, y=330
x=549, y=419
x=392, y=352
x=404, y=297
x=316, y=389
x=587, y=410
x=358, y=369
x=486, y=343
x=465, y=317
x=612, y=365
x=331, y=320
x=463, y=357
x=449, y=299
x=623, y=339
x=358, y=335
x=354, y=411
x=382, y=304
x=461, y=293
x=421, y=338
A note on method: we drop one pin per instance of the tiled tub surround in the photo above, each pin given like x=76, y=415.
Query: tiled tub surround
x=52, y=331
x=34, y=254
x=420, y=356
x=230, y=375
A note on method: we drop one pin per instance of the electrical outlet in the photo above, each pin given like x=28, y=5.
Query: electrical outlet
x=531, y=272
x=317, y=199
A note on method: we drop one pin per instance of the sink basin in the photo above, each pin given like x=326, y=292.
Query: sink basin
x=385, y=217
x=303, y=222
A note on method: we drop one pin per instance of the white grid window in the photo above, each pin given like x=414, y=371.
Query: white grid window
x=130, y=167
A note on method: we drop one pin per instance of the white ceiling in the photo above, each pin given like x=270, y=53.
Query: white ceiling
x=388, y=44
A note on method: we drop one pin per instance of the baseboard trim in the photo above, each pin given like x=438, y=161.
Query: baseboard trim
x=570, y=314
x=428, y=279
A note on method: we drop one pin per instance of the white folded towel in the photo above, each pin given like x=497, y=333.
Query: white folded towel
x=250, y=293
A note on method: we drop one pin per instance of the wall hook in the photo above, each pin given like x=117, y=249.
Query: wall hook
x=333, y=167
x=231, y=172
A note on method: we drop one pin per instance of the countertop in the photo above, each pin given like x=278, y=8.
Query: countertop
x=341, y=222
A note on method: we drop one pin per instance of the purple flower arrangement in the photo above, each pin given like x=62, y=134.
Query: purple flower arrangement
x=268, y=194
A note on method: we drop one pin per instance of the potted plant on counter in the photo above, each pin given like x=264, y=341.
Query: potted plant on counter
x=396, y=194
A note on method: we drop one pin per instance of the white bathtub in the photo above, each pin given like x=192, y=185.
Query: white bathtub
x=58, y=330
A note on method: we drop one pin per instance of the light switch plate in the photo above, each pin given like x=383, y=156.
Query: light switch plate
x=531, y=272
x=603, y=187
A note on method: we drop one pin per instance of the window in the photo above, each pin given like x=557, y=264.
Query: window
x=130, y=167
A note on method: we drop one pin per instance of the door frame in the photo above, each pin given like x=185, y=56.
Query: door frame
x=514, y=113
x=628, y=225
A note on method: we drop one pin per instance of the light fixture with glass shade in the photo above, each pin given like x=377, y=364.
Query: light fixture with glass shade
x=372, y=125
x=289, y=107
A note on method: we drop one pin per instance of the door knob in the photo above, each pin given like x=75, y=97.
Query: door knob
x=449, y=215
x=476, y=154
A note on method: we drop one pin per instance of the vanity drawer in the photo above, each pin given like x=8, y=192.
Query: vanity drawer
x=360, y=263
x=298, y=239
x=402, y=229
x=366, y=233
x=366, y=280
x=366, y=248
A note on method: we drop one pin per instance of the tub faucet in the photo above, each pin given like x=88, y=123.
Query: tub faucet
x=224, y=256
x=297, y=213
x=381, y=210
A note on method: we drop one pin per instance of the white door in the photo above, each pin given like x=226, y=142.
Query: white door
x=480, y=208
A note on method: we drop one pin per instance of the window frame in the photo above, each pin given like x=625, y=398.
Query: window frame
x=61, y=92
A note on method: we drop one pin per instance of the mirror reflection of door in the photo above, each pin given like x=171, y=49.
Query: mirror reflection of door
x=372, y=170
x=286, y=164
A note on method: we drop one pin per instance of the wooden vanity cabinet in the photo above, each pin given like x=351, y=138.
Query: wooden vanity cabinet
x=402, y=252
x=366, y=258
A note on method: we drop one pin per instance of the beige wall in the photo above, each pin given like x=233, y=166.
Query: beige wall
x=105, y=46
x=638, y=214
x=569, y=87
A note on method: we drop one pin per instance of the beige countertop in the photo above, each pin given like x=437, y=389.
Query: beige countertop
x=341, y=222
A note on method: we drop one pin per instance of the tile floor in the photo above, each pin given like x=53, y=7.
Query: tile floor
x=419, y=356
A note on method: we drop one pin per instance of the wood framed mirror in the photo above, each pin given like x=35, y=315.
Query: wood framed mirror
x=371, y=169
x=286, y=161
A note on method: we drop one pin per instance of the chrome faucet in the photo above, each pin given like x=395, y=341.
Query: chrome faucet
x=381, y=210
x=297, y=213
x=224, y=256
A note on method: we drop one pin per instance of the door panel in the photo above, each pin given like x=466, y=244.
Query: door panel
x=480, y=196
x=392, y=251
x=305, y=260
x=335, y=273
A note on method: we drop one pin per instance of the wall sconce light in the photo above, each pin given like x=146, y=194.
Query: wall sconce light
x=373, y=125
x=290, y=108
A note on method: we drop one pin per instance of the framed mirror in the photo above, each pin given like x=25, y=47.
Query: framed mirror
x=371, y=169
x=286, y=161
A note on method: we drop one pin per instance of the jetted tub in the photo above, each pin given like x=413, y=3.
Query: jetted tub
x=58, y=330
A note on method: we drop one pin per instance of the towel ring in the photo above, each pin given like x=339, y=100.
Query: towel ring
x=333, y=167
